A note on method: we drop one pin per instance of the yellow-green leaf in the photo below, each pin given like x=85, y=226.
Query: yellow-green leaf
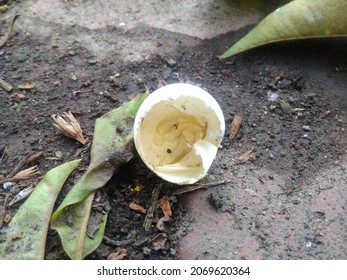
x=112, y=146
x=25, y=236
x=299, y=19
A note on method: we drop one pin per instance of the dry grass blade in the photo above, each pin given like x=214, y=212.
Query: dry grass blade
x=4, y=39
x=198, y=187
x=69, y=126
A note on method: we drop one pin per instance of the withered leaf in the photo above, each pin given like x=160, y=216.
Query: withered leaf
x=164, y=204
x=137, y=207
x=235, y=126
x=119, y=255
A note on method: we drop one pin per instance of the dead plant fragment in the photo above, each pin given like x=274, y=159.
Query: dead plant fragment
x=235, y=126
x=17, y=97
x=5, y=85
x=246, y=156
x=119, y=255
x=3, y=209
x=164, y=204
x=26, y=86
x=69, y=126
x=192, y=188
x=22, y=175
x=21, y=195
x=136, y=207
x=5, y=38
x=16, y=175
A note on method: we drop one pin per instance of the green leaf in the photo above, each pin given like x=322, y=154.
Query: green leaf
x=112, y=146
x=299, y=19
x=30, y=224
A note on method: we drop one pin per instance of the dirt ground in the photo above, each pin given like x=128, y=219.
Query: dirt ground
x=286, y=201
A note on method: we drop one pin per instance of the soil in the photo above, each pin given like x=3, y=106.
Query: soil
x=286, y=201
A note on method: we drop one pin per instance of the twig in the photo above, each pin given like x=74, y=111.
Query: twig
x=4, y=39
x=150, y=212
x=276, y=79
x=3, y=154
x=18, y=167
x=199, y=186
x=34, y=157
x=3, y=210
x=118, y=243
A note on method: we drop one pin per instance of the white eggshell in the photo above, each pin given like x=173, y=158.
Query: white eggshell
x=177, y=132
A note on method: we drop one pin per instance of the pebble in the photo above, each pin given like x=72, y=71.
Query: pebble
x=272, y=107
x=306, y=128
x=284, y=83
x=92, y=61
x=72, y=53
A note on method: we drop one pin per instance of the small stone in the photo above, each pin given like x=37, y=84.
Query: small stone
x=171, y=62
x=72, y=53
x=306, y=128
x=272, y=107
x=146, y=251
x=271, y=156
x=92, y=61
x=284, y=83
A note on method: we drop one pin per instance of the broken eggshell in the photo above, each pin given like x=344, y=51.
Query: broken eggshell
x=177, y=132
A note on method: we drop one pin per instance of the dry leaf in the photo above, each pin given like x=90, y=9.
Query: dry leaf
x=136, y=207
x=164, y=204
x=235, y=126
x=17, y=97
x=158, y=241
x=119, y=255
x=69, y=126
